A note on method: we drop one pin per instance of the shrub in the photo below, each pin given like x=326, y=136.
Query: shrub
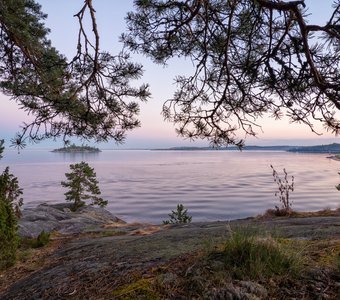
x=83, y=185
x=10, y=191
x=179, y=216
x=8, y=234
x=42, y=240
x=10, y=203
x=284, y=188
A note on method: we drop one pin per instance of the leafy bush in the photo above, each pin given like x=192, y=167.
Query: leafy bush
x=247, y=255
x=179, y=216
x=284, y=188
x=83, y=185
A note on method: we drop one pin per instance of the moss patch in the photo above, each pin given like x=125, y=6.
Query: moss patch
x=140, y=289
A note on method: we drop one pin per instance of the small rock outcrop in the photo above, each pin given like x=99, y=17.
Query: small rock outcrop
x=59, y=217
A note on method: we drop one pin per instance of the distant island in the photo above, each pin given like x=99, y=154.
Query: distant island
x=77, y=149
x=331, y=148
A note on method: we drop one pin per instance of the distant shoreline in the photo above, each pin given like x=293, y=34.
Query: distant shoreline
x=317, y=149
x=326, y=149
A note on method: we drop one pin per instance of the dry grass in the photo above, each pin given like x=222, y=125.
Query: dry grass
x=327, y=212
x=313, y=276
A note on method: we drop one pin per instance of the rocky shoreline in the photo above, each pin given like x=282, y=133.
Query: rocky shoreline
x=334, y=157
x=94, y=254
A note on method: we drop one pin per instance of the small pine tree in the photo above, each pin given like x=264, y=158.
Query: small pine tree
x=179, y=216
x=8, y=234
x=82, y=185
x=10, y=191
x=10, y=202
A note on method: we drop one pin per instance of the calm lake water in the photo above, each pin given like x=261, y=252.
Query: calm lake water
x=213, y=185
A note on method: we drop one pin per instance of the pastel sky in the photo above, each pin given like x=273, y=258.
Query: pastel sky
x=154, y=131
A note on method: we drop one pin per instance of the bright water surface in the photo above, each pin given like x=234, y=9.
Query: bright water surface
x=213, y=185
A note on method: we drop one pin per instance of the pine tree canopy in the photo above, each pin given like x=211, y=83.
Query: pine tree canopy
x=251, y=58
x=85, y=97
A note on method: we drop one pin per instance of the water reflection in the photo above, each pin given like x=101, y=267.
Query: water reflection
x=77, y=156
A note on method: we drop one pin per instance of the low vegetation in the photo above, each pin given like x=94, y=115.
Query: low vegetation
x=31, y=256
x=327, y=212
x=248, y=265
x=240, y=268
x=250, y=255
x=40, y=241
x=140, y=289
x=179, y=216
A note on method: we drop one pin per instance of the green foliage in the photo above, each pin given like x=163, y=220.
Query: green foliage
x=246, y=63
x=241, y=69
x=284, y=188
x=10, y=191
x=82, y=185
x=248, y=255
x=40, y=241
x=10, y=203
x=8, y=234
x=89, y=96
x=179, y=216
